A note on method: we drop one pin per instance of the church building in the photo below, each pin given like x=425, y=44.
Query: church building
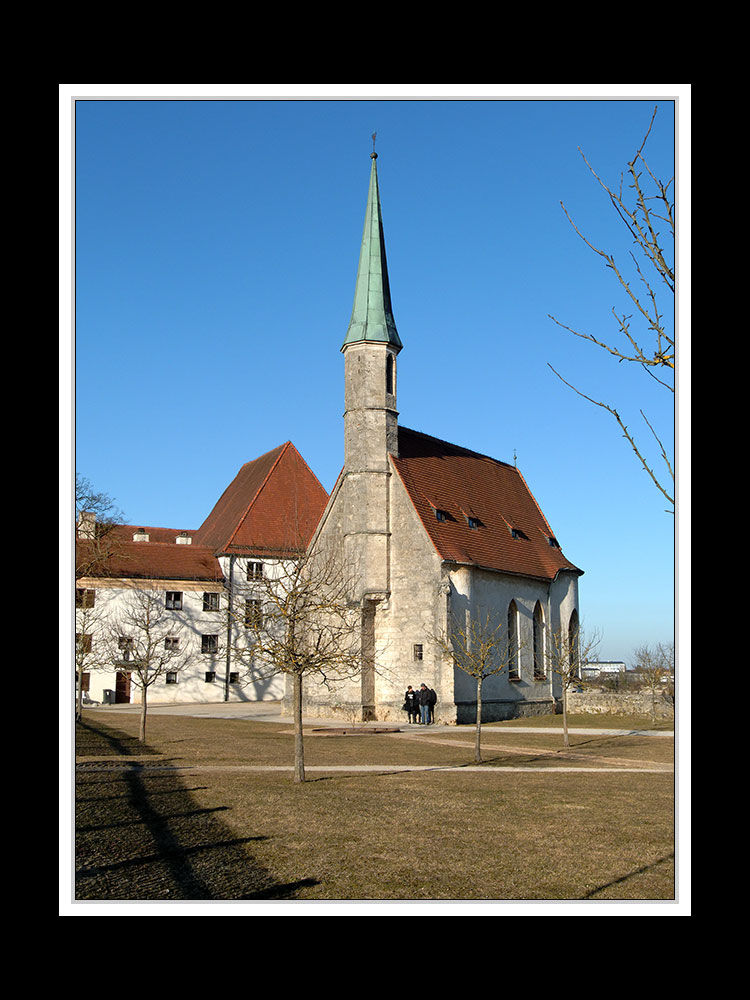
x=432, y=533
x=436, y=533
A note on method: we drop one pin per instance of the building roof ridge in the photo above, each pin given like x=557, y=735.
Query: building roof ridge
x=459, y=447
x=282, y=450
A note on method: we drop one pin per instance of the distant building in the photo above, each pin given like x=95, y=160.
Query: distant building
x=595, y=667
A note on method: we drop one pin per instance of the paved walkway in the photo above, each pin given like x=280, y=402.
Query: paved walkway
x=271, y=711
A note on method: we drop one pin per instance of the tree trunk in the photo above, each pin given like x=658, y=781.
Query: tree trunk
x=79, y=697
x=566, y=741
x=142, y=736
x=478, y=742
x=299, y=752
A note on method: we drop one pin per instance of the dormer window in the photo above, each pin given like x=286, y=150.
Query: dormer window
x=473, y=522
x=553, y=542
x=441, y=515
x=517, y=533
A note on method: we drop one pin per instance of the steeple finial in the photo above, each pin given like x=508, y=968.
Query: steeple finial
x=372, y=314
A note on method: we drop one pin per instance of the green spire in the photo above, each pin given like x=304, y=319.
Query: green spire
x=372, y=316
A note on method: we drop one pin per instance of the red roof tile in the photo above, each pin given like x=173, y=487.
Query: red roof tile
x=155, y=560
x=464, y=484
x=271, y=507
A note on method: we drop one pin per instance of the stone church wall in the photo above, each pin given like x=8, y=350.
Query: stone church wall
x=477, y=592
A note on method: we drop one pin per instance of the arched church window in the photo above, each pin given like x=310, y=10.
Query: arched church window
x=513, y=666
x=540, y=666
x=573, y=646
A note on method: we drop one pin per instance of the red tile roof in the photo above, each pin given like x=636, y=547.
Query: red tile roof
x=271, y=507
x=464, y=484
x=153, y=560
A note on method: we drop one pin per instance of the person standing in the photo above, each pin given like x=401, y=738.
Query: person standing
x=433, y=702
x=424, y=704
x=411, y=704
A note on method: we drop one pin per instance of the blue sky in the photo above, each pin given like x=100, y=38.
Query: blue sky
x=215, y=247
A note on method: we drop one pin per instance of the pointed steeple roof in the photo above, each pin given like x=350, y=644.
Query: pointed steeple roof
x=372, y=315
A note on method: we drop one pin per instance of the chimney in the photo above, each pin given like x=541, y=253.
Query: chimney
x=86, y=524
x=141, y=535
x=184, y=538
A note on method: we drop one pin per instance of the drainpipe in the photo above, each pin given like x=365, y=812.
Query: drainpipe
x=229, y=627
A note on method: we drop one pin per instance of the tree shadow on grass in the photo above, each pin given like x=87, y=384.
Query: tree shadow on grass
x=645, y=869
x=143, y=836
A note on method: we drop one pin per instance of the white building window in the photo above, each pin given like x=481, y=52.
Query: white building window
x=255, y=571
x=211, y=601
x=209, y=644
x=85, y=598
x=253, y=613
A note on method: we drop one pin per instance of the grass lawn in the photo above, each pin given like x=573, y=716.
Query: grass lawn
x=217, y=832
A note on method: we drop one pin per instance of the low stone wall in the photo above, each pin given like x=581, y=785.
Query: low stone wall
x=496, y=710
x=619, y=702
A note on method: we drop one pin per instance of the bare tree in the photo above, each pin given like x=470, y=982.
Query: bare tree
x=480, y=645
x=144, y=639
x=645, y=210
x=89, y=641
x=97, y=517
x=566, y=650
x=656, y=670
x=297, y=620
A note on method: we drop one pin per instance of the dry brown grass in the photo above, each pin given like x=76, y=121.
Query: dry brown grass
x=456, y=834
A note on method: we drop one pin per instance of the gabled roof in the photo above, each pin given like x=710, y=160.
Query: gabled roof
x=511, y=533
x=271, y=507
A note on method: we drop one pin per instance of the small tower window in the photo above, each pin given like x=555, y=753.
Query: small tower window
x=390, y=367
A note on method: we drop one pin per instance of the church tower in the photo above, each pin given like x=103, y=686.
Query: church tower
x=370, y=349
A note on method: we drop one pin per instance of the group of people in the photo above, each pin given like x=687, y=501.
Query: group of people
x=420, y=705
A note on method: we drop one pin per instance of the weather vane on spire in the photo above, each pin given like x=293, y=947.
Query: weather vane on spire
x=373, y=154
